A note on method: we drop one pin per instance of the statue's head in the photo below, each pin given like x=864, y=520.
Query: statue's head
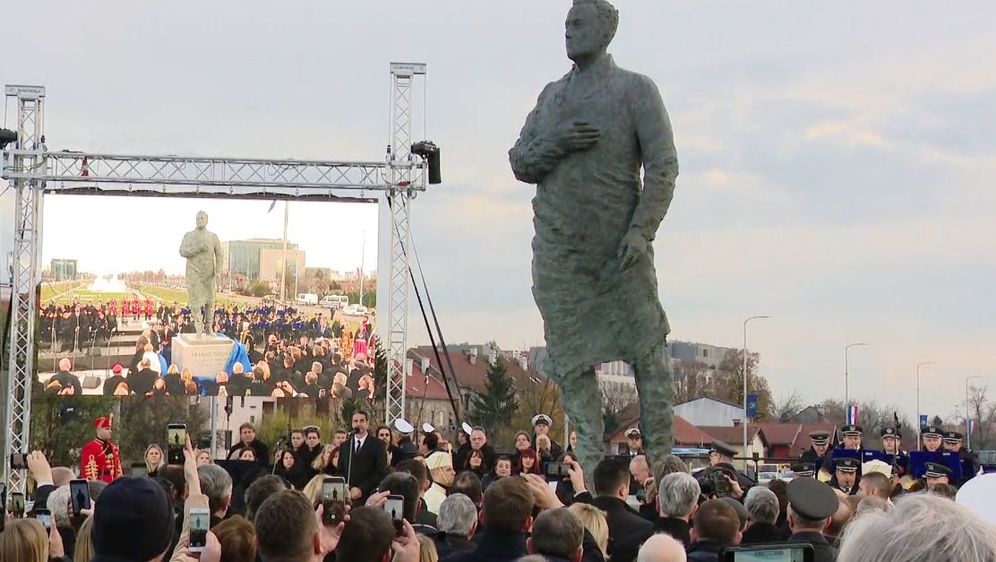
x=590, y=27
x=202, y=219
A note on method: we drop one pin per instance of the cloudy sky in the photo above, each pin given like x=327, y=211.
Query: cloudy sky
x=836, y=159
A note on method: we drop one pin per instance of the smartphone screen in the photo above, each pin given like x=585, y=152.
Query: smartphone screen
x=44, y=517
x=176, y=438
x=17, y=503
x=334, y=490
x=784, y=553
x=395, y=507
x=200, y=522
x=333, y=498
x=138, y=470
x=79, y=493
x=18, y=461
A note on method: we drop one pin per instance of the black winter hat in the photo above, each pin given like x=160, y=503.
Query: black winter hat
x=133, y=521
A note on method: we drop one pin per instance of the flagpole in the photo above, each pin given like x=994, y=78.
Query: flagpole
x=363, y=248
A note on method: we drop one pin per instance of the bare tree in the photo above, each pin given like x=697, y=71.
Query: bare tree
x=690, y=379
x=872, y=417
x=786, y=405
x=984, y=412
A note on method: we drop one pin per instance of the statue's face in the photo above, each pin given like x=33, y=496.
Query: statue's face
x=202, y=219
x=583, y=32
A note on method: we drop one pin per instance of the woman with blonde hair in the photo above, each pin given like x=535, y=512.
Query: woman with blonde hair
x=313, y=488
x=426, y=549
x=84, y=543
x=189, y=385
x=203, y=457
x=174, y=381
x=593, y=520
x=25, y=540
x=154, y=460
x=327, y=463
x=153, y=357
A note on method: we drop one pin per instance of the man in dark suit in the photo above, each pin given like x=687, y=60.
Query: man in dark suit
x=362, y=459
x=611, y=479
x=811, y=503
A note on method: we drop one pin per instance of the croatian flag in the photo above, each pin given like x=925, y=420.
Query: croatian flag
x=852, y=414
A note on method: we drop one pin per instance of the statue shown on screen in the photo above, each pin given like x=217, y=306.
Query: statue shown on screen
x=202, y=249
x=595, y=221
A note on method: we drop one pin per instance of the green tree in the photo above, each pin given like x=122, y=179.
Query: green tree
x=498, y=404
x=61, y=426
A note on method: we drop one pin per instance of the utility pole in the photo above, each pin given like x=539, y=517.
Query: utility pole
x=283, y=270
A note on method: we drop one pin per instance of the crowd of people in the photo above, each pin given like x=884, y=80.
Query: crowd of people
x=294, y=357
x=413, y=497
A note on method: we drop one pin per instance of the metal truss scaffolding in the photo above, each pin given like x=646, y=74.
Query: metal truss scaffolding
x=28, y=158
x=403, y=176
x=33, y=170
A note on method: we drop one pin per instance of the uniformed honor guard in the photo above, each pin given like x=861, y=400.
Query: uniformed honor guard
x=892, y=445
x=541, y=426
x=804, y=470
x=936, y=474
x=101, y=459
x=852, y=435
x=846, y=476
x=818, y=453
x=931, y=436
x=969, y=464
x=811, y=504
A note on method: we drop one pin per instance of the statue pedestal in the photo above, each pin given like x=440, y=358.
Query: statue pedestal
x=204, y=355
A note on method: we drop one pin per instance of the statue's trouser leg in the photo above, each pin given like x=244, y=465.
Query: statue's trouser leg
x=209, y=315
x=582, y=400
x=655, y=385
x=195, y=311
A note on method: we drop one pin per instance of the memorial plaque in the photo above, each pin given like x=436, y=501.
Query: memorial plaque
x=204, y=355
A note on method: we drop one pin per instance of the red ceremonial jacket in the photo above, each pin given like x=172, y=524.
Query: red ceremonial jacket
x=101, y=461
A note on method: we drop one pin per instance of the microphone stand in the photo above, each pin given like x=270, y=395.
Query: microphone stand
x=351, y=436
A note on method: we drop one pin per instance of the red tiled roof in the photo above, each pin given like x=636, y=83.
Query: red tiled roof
x=416, y=384
x=469, y=375
x=685, y=434
x=733, y=434
x=780, y=433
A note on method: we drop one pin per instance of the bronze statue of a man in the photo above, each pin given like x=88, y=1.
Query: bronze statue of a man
x=202, y=249
x=593, y=261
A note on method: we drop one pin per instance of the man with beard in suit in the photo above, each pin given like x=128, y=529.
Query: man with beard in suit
x=362, y=459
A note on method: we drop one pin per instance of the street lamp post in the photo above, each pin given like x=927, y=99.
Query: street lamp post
x=847, y=375
x=919, y=441
x=968, y=428
x=746, y=378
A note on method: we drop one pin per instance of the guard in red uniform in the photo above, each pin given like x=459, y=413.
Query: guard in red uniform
x=149, y=309
x=136, y=308
x=112, y=308
x=125, y=309
x=101, y=459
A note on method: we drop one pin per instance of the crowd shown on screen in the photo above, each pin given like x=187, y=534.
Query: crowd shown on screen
x=295, y=356
x=391, y=493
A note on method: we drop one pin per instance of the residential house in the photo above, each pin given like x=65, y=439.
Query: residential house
x=757, y=441
x=707, y=411
x=685, y=435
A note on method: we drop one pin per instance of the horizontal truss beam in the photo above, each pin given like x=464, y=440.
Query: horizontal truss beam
x=177, y=176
